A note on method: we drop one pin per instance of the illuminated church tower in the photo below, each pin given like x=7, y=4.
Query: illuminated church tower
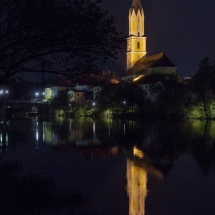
x=136, y=42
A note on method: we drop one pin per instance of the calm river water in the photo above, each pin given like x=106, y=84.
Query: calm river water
x=65, y=166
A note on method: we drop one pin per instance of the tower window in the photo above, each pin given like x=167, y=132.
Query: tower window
x=138, y=45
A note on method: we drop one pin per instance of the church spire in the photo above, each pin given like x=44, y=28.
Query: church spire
x=136, y=42
x=136, y=4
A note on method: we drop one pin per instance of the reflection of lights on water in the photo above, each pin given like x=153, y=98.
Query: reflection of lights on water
x=3, y=140
x=44, y=127
x=124, y=128
x=94, y=127
x=70, y=125
x=137, y=152
x=136, y=188
x=109, y=129
x=37, y=135
x=7, y=139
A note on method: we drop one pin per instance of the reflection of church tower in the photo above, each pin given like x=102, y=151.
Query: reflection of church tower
x=136, y=188
x=136, y=42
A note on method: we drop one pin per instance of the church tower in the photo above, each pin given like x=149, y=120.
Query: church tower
x=136, y=42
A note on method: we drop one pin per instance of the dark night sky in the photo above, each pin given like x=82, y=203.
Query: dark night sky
x=184, y=30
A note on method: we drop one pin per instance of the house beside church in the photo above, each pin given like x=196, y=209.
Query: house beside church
x=140, y=67
x=151, y=65
x=142, y=70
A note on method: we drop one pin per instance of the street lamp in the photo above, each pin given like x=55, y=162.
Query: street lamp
x=36, y=94
x=2, y=92
x=124, y=107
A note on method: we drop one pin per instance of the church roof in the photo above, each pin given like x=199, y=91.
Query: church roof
x=136, y=4
x=157, y=60
x=148, y=79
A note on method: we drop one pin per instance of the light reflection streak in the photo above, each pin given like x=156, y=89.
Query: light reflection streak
x=44, y=126
x=136, y=188
x=37, y=135
x=4, y=140
x=94, y=128
x=7, y=139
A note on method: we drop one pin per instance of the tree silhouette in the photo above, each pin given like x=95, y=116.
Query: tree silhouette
x=68, y=37
x=204, y=81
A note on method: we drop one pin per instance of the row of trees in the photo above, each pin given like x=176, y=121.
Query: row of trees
x=195, y=99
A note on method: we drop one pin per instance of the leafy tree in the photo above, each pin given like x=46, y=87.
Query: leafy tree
x=110, y=97
x=134, y=95
x=172, y=101
x=68, y=37
x=122, y=97
x=204, y=81
x=59, y=104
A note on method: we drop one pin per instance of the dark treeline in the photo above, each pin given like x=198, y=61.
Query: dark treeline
x=69, y=37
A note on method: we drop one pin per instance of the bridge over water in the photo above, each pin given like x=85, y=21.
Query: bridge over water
x=37, y=106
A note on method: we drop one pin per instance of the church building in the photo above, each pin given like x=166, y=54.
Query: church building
x=138, y=63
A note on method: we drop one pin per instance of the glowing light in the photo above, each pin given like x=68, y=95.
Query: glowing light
x=37, y=135
x=136, y=188
x=137, y=152
x=36, y=94
x=138, y=78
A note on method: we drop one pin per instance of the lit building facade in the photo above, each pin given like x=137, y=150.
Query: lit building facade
x=136, y=42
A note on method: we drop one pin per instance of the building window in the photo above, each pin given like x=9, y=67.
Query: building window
x=138, y=45
x=78, y=94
